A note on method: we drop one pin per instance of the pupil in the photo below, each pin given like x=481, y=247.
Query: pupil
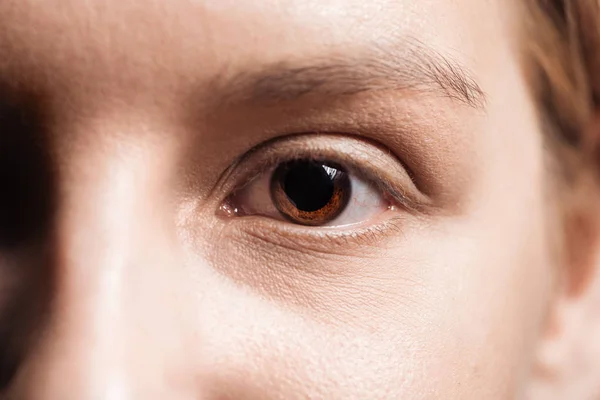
x=309, y=185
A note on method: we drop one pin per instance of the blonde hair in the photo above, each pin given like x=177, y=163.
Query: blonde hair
x=562, y=53
x=561, y=56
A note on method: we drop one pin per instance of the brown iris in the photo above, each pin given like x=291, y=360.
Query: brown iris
x=310, y=192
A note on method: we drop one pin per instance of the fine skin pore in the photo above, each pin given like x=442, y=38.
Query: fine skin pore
x=137, y=281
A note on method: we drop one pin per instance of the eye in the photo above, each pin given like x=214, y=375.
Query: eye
x=309, y=192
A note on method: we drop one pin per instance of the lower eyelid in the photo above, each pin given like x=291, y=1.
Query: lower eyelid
x=265, y=236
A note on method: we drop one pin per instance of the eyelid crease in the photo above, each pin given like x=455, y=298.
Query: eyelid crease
x=358, y=159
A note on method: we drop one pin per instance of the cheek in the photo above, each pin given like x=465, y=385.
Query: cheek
x=489, y=289
x=453, y=309
x=495, y=271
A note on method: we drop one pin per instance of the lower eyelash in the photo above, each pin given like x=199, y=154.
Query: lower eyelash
x=365, y=161
x=298, y=237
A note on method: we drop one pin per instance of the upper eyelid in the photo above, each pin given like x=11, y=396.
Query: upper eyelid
x=266, y=155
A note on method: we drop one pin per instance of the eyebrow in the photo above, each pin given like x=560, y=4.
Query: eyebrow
x=417, y=68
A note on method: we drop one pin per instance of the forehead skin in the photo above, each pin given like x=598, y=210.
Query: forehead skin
x=127, y=45
x=449, y=307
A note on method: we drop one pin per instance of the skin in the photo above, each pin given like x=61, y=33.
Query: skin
x=132, y=282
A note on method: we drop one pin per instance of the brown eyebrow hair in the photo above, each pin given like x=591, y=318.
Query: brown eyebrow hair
x=415, y=68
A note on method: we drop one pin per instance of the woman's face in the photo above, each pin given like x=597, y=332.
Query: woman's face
x=183, y=145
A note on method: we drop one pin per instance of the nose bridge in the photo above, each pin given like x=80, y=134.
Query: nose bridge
x=104, y=225
x=111, y=333
x=102, y=212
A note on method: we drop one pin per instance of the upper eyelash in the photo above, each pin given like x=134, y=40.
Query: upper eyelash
x=269, y=158
x=371, y=177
